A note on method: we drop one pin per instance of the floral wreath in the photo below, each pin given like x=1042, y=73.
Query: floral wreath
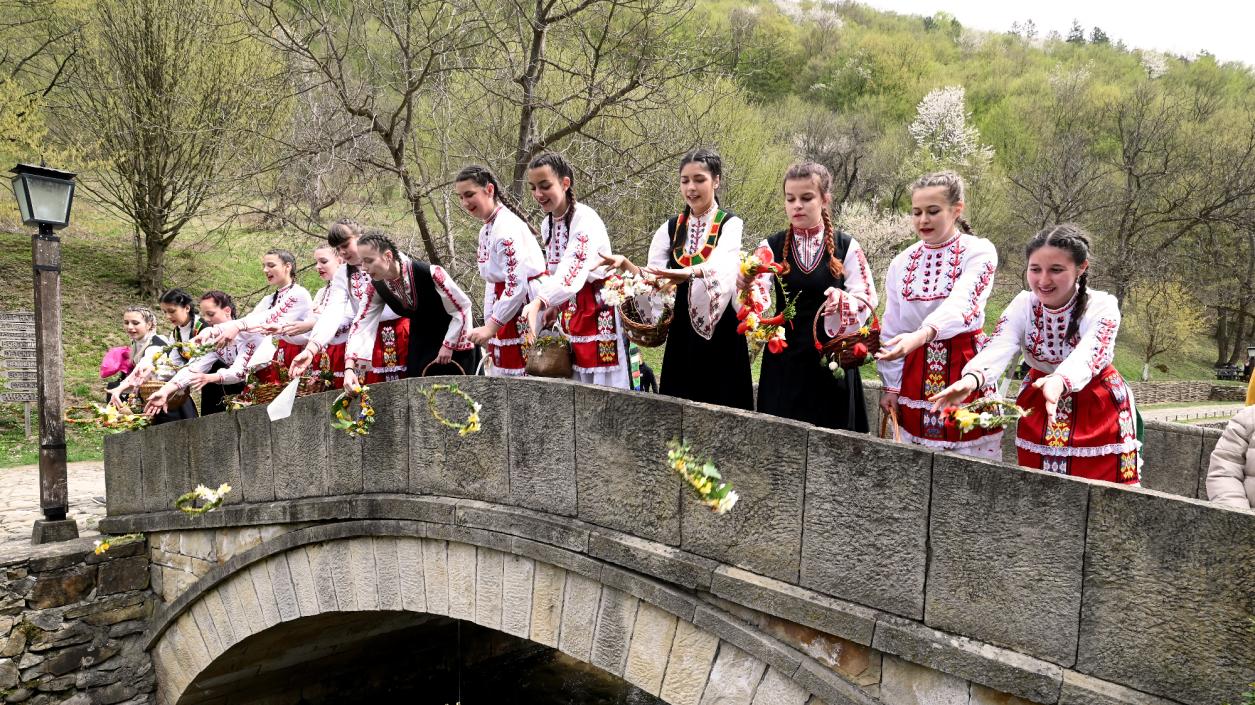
x=983, y=413
x=703, y=476
x=108, y=542
x=187, y=350
x=108, y=417
x=343, y=420
x=471, y=425
x=210, y=499
x=758, y=329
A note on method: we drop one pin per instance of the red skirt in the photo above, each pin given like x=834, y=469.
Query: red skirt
x=925, y=372
x=331, y=361
x=593, y=330
x=1094, y=434
x=392, y=348
x=506, y=347
x=284, y=354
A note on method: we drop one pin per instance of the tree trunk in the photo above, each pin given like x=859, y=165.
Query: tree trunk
x=152, y=279
x=1222, y=335
x=1241, y=334
x=1146, y=371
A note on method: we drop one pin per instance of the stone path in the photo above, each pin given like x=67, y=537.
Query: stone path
x=19, y=504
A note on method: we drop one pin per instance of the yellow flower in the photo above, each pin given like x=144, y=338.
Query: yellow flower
x=101, y=547
x=864, y=330
x=965, y=419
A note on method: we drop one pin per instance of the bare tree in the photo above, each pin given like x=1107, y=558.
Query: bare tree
x=161, y=104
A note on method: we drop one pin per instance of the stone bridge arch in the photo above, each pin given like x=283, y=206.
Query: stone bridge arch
x=640, y=631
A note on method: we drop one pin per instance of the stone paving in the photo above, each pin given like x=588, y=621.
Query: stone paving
x=19, y=504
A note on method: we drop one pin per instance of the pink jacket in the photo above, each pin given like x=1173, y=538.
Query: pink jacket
x=1231, y=475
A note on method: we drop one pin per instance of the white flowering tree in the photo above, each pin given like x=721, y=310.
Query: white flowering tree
x=880, y=232
x=944, y=137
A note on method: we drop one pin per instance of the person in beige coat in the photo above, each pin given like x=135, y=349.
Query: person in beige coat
x=1231, y=475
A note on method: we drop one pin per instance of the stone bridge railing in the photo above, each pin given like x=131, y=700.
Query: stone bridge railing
x=1051, y=589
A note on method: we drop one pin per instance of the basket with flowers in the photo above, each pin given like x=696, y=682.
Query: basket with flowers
x=625, y=291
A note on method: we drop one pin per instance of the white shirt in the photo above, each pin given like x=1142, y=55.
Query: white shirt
x=572, y=259
x=714, y=281
x=456, y=303
x=507, y=254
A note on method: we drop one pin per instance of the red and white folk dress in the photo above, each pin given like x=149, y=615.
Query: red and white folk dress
x=509, y=259
x=1094, y=434
x=350, y=291
x=943, y=287
x=331, y=360
x=290, y=304
x=574, y=287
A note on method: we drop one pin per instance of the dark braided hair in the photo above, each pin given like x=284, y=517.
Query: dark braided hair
x=561, y=169
x=380, y=241
x=221, y=299
x=1070, y=238
x=342, y=231
x=289, y=259
x=482, y=176
x=823, y=177
x=713, y=163
x=180, y=298
x=955, y=190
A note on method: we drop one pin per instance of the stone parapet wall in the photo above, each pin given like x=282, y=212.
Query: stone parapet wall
x=71, y=626
x=949, y=558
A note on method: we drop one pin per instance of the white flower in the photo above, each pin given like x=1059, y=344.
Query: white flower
x=985, y=419
x=833, y=365
x=727, y=503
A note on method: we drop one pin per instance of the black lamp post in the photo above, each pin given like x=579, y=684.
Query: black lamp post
x=44, y=197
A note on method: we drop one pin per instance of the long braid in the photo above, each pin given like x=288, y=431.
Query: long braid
x=483, y=176
x=570, y=208
x=835, y=266
x=964, y=226
x=1072, y=239
x=1078, y=309
x=785, y=268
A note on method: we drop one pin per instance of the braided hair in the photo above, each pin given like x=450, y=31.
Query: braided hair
x=482, y=176
x=380, y=241
x=954, y=190
x=287, y=258
x=561, y=169
x=821, y=175
x=221, y=299
x=342, y=231
x=1070, y=238
x=180, y=298
x=713, y=163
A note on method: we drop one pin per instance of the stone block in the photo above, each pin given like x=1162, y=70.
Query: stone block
x=828, y=615
x=1001, y=669
x=444, y=463
x=560, y=557
x=9, y=675
x=767, y=466
x=303, y=584
x=362, y=567
x=866, y=524
x=652, y=634
x=516, y=596
x=747, y=639
x=1080, y=689
x=542, y=461
x=387, y=573
x=678, y=603
x=462, y=565
x=688, y=668
x=122, y=575
x=298, y=450
x=830, y=687
x=654, y=559
x=734, y=678
x=1210, y=438
x=1170, y=458
x=981, y=695
x=164, y=465
x=1168, y=593
x=489, y=576
x=326, y=587
x=69, y=635
x=906, y=683
x=62, y=587
x=623, y=481
x=214, y=454
x=579, y=616
x=548, y=595
x=779, y=689
x=615, y=618
x=410, y=574
x=558, y=531
x=1007, y=547
x=223, y=624
x=256, y=469
x=436, y=576
x=208, y=629
x=124, y=477
x=345, y=468
x=386, y=451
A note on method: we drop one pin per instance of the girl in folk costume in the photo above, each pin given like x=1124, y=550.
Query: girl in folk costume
x=935, y=295
x=699, y=250
x=290, y=303
x=141, y=326
x=826, y=270
x=438, y=310
x=330, y=361
x=225, y=366
x=349, y=292
x=575, y=241
x=509, y=259
x=1082, y=417
x=180, y=311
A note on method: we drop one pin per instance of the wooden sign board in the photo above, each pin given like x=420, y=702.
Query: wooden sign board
x=17, y=317
x=18, y=397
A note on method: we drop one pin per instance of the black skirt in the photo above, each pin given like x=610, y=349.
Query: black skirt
x=715, y=371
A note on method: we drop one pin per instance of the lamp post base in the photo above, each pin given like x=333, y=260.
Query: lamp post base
x=46, y=531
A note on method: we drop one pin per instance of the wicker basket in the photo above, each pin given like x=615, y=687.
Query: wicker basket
x=552, y=360
x=450, y=363
x=647, y=335
x=841, y=348
x=149, y=388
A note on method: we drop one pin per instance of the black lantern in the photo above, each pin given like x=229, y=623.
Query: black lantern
x=43, y=195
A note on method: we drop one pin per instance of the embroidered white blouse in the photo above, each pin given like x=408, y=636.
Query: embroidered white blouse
x=943, y=287
x=508, y=254
x=456, y=303
x=347, y=297
x=713, y=283
x=1039, y=331
x=855, y=303
x=288, y=305
x=572, y=259
x=237, y=356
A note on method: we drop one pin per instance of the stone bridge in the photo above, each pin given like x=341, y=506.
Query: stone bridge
x=853, y=571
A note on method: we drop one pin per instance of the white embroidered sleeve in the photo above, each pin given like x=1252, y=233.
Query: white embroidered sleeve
x=201, y=364
x=857, y=301
x=1097, y=345
x=1006, y=341
x=964, y=309
x=514, y=295
x=335, y=309
x=891, y=325
x=360, y=349
x=583, y=255
x=710, y=293
x=458, y=305
x=245, y=346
